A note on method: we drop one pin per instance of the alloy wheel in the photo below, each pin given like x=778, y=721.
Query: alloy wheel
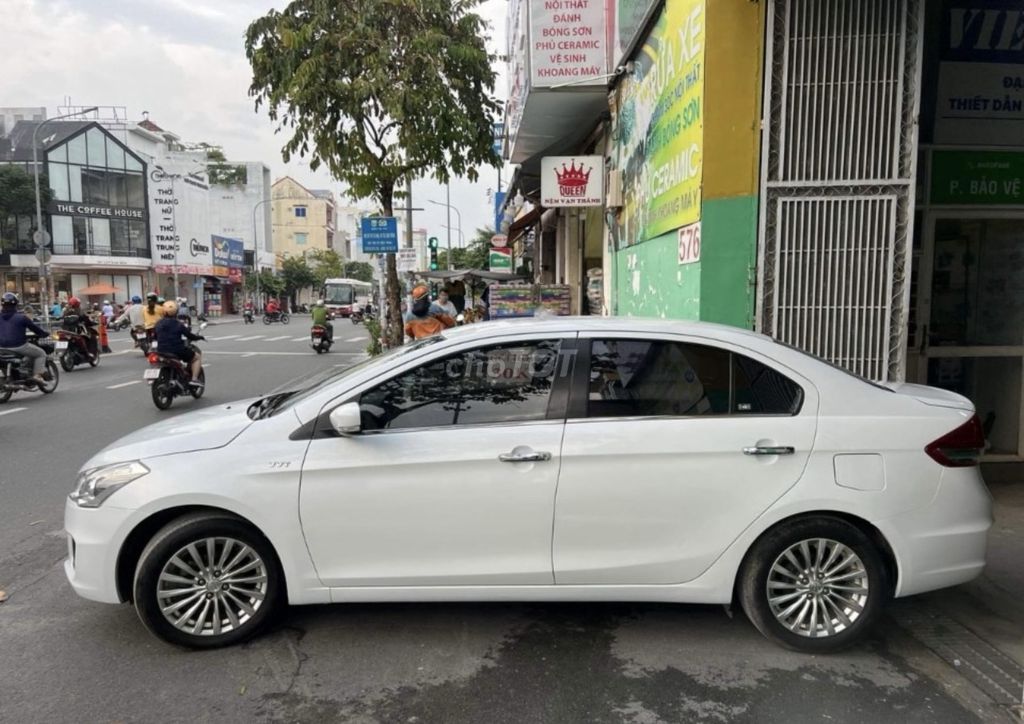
x=817, y=588
x=212, y=586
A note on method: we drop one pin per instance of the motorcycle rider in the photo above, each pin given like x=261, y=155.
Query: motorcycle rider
x=273, y=309
x=12, y=335
x=152, y=312
x=78, y=321
x=424, y=323
x=133, y=313
x=320, y=317
x=169, y=334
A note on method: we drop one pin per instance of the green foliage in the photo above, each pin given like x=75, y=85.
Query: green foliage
x=327, y=264
x=219, y=170
x=378, y=91
x=270, y=284
x=359, y=270
x=296, y=275
x=18, y=198
x=474, y=256
x=372, y=324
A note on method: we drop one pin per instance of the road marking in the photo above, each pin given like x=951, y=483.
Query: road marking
x=355, y=339
x=124, y=384
x=229, y=336
x=249, y=354
x=13, y=409
x=300, y=339
x=277, y=339
x=249, y=339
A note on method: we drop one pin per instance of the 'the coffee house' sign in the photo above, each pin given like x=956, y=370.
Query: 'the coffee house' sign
x=108, y=212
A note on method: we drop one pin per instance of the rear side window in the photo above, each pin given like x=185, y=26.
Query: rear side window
x=651, y=378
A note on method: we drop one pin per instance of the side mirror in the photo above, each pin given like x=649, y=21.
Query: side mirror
x=347, y=419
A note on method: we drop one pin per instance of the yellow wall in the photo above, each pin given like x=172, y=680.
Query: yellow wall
x=733, y=57
x=286, y=195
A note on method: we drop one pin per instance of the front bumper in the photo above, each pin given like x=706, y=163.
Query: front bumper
x=95, y=536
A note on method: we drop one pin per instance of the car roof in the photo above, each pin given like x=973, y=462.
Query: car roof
x=617, y=325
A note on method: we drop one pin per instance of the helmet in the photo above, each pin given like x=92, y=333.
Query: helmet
x=74, y=302
x=319, y=302
x=420, y=291
x=106, y=301
x=136, y=299
x=170, y=308
x=152, y=295
x=10, y=299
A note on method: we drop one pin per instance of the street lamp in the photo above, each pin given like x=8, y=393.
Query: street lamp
x=44, y=288
x=449, y=226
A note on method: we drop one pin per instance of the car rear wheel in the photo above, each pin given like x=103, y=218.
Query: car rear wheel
x=206, y=581
x=815, y=585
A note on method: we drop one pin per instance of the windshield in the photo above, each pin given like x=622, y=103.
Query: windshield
x=305, y=386
x=339, y=294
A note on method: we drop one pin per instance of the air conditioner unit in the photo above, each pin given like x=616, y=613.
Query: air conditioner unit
x=613, y=199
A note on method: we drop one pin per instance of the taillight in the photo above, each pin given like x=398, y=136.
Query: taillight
x=960, y=448
x=153, y=359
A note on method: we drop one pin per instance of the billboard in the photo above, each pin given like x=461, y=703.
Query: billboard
x=659, y=126
x=571, y=181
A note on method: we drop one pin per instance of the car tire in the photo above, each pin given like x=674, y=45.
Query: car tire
x=239, y=612
x=815, y=585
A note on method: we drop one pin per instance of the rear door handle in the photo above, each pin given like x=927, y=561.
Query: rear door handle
x=525, y=457
x=769, y=450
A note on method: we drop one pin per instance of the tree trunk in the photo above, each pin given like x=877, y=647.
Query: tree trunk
x=394, y=329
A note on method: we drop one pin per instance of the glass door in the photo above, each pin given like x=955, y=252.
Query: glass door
x=969, y=334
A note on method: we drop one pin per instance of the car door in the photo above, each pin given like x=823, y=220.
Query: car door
x=452, y=480
x=671, y=449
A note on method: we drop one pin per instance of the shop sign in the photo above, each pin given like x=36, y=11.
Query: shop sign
x=380, y=234
x=977, y=178
x=196, y=248
x=227, y=253
x=499, y=240
x=571, y=181
x=109, y=212
x=201, y=269
x=406, y=260
x=499, y=203
x=980, y=98
x=568, y=43
x=500, y=259
x=689, y=243
x=659, y=126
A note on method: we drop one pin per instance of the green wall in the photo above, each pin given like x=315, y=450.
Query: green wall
x=649, y=282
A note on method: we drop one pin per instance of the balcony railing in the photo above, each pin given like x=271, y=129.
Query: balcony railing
x=27, y=247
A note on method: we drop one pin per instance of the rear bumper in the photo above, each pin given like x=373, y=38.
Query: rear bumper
x=944, y=543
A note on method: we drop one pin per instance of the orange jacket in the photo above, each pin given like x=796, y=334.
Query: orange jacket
x=419, y=327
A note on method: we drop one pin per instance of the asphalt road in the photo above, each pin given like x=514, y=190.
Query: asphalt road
x=64, y=659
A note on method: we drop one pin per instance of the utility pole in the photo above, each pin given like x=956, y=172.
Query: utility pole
x=448, y=203
x=408, y=211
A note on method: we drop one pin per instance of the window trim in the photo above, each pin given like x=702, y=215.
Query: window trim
x=580, y=397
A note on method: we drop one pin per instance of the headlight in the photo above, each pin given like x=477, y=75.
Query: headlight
x=96, y=485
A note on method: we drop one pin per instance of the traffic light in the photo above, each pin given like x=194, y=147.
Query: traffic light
x=432, y=245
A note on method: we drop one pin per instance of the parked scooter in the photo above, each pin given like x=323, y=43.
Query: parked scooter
x=319, y=339
x=16, y=371
x=170, y=377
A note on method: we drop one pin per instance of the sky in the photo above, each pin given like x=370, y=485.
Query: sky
x=183, y=62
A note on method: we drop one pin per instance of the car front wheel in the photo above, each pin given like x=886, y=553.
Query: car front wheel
x=206, y=580
x=815, y=585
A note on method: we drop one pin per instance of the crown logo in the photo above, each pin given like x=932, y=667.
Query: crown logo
x=573, y=181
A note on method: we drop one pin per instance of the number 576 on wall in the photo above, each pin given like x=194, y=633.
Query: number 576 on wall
x=689, y=243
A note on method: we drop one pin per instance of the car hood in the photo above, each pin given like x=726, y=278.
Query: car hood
x=931, y=395
x=205, y=429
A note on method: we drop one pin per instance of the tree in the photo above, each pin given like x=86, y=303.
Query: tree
x=379, y=92
x=359, y=270
x=18, y=198
x=219, y=171
x=270, y=284
x=474, y=256
x=297, y=275
x=326, y=265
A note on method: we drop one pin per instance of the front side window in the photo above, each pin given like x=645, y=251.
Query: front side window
x=653, y=378
x=490, y=385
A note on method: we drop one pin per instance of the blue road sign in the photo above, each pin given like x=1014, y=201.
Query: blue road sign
x=380, y=234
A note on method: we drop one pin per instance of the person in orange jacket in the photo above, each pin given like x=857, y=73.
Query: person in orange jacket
x=422, y=323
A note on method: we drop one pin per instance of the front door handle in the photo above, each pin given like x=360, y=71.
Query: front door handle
x=524, y=457
x=769, y=450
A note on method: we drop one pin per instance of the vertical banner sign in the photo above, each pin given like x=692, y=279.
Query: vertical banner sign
x=659, y=126
x=380, y=234
x=568, y=43
x=980, y=98
x=499, y=201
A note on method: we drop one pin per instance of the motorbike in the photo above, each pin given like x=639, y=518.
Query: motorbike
x=118, y=326
x=77, y=347
x=169, y=377
x=319, y=340
x=248, y=316
x=282, y=317
x=356, y=316
x=16, y=371
x=143, y=338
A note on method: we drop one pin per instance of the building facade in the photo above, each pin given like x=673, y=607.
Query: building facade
x=303, y=219
x=98, y=217
x=844, y=176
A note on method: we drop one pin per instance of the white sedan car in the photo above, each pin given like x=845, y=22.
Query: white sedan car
x=564, y=460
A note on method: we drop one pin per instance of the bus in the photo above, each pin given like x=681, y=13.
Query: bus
x=341, y=295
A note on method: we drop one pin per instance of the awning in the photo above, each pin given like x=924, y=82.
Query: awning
x=471, y=274
x=526, y=220
x=99, y=290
